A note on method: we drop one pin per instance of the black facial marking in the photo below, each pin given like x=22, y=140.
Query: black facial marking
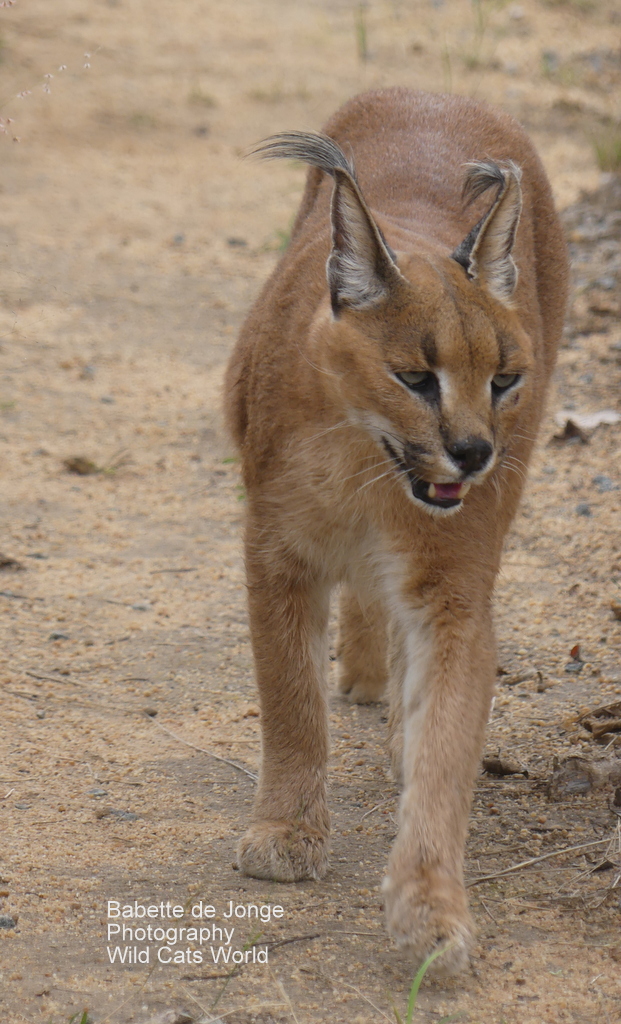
x=501, y=341
x=391, y=451
x=430, y=352
x=412, y=452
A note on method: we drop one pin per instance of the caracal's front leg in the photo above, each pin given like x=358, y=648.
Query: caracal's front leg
x=449, y=671
x=288, y=839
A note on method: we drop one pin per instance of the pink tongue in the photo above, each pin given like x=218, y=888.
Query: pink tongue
x=447, y=490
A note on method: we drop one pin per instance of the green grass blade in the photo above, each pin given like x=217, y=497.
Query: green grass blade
x=416, y=984
x=396, y=1012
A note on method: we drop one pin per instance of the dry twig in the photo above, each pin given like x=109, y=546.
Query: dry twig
x=210, y=753
x=53, y=679
x=155, y=572
x=382, y=803
x=534, y=860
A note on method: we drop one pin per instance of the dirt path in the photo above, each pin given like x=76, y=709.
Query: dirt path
x=133, y=239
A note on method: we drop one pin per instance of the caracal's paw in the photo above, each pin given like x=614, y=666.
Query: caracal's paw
x=282, y=851
x=359, y=688
x=423, y=917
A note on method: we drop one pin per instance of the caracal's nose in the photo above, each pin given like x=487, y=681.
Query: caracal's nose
x=472, y=454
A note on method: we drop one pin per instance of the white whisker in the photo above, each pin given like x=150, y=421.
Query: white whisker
x=496, y=484
x=369, y=469
x=321, y=433
x=517, y=461
x=369, y=482
x=515, y=469
x=374, y=481
x=327, y=373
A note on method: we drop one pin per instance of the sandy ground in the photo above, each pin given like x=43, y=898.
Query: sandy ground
x=133, y=238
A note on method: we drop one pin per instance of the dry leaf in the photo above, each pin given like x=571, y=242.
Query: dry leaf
x=603, y=720
x=503, y=766
x=6, y=562
x=80, y=465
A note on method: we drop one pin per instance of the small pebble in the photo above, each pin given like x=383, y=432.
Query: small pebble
x=550, y=60
x=58, y=636
x=583, y=509
x=607, y=282
x=110, y=812
x=142, y=606
x=574, y=666
x=40, y=714
x=177, y=1017
x=604, y=483
x=107, y=399
x=7, y=922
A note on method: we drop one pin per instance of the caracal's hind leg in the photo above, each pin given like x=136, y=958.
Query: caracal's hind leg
x=288, y=838
x=362, y=648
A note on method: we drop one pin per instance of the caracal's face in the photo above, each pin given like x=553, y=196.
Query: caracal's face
x=437, y=374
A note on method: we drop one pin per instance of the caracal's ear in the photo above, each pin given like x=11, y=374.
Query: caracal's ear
x=485, y=252
x=361, y=267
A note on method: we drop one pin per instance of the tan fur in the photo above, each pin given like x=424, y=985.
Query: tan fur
x=313, y=400
x=363, y=648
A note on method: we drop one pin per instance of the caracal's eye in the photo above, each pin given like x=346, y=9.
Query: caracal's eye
x=415, y=380
x=502, y=381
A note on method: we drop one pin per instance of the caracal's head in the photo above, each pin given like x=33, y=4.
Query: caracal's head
x=423, y=349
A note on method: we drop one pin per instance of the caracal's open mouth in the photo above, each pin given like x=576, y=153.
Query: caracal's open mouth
x=433, y=494
x=439, y=495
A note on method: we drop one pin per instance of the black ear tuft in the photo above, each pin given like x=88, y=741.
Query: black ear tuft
x=310, y=147
x=485, y=252
x=361, y=266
